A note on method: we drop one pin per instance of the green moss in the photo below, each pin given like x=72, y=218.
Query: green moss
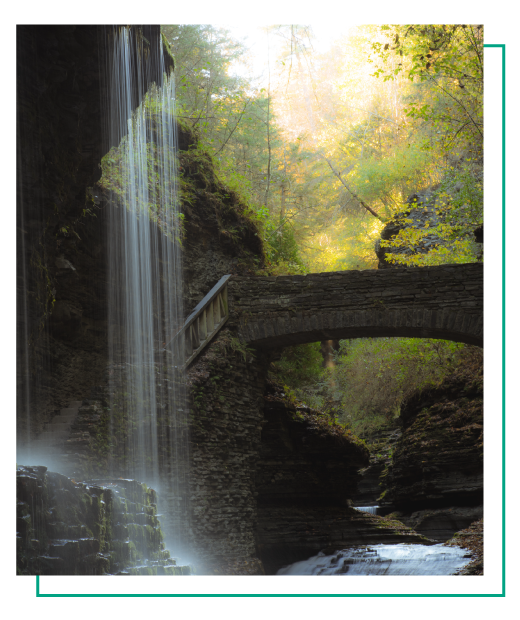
x=169, y=57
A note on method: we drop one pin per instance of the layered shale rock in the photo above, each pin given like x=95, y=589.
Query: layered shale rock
x=219, y=236
x=381, y=445
x=306, y=459
x=438, y=461
x=441, y=523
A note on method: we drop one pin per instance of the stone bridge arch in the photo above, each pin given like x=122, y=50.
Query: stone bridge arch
x=444, y=301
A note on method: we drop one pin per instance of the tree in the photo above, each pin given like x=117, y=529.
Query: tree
x=444, y=109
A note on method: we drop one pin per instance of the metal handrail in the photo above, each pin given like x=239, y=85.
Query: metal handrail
x=206, y=320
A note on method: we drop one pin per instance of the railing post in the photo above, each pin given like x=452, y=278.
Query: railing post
x=194, y=332
x=224, y=301
x=203, y=326
x=216, y=310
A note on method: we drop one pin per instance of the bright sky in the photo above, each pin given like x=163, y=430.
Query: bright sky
x=255, y=38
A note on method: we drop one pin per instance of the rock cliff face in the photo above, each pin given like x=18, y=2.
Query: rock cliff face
x=62, y=278
x=381, y=446
x=220, y=238
x=438, y=461
x=424, y=213
x=305, y=459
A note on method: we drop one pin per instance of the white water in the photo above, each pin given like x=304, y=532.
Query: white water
x=370, y=509
x=405, y=559
x=148, y=414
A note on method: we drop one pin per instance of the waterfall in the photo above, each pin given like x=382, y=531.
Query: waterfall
x=370, y=509
x=34, y=293
x=148, y=422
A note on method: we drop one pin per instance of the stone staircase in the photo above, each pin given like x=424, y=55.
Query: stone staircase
x=57, y=432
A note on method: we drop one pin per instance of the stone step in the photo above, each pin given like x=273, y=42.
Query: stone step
x=58, y=427
x=75, y=404
x=44, y=450
x=53, y=436
x=69, y=411
x=58, y=430
x=63, y=419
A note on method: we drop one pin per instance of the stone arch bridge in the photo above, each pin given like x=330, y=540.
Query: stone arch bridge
x=431, y=302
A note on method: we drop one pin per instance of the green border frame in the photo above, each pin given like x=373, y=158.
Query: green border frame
x=503, y=593
x=503, y=47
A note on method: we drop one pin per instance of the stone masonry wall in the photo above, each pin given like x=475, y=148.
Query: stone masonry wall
x=226, y=415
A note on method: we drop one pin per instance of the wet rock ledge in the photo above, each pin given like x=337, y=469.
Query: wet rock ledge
x=100, y=527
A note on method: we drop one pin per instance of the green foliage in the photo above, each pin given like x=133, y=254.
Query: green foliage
x=459, y=207
x=240, y=347
x=283, y=250
x=300, y=365
x=237, y=128
x=372, y=377
x=444, y=109
x=300, y=370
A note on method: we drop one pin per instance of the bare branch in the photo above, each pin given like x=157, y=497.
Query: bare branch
x=361, y=202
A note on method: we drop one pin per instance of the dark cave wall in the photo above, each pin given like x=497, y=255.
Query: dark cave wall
x=58, y=152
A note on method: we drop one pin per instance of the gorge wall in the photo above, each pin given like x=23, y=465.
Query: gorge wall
x=435, y=478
